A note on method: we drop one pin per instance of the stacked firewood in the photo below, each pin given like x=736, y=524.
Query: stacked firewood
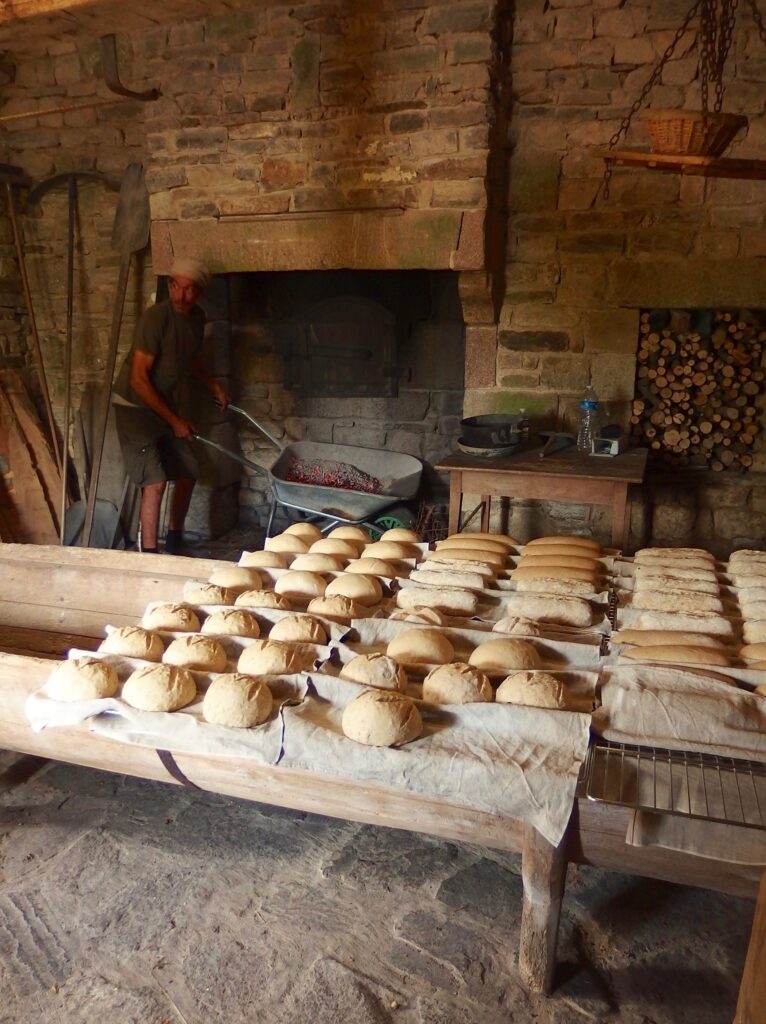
x=696, y=392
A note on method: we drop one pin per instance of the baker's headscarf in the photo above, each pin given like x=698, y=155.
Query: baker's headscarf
x=193, y=269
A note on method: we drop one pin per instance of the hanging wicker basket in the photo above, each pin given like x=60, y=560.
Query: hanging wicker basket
x=690, y=133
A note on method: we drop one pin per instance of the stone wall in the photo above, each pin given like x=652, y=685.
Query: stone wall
x=579, y=267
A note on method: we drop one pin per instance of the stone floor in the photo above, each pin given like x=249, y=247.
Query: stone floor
x=130, y=902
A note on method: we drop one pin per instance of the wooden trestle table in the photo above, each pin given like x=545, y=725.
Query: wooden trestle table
x=566, y=475
x=54, y=598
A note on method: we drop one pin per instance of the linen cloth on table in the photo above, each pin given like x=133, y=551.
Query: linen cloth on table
x=497, y=758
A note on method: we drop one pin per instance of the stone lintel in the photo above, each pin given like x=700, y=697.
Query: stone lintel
x=369, y=240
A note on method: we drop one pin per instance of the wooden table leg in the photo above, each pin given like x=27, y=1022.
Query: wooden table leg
x=751, y=1005
x=455, y=500
x=620, y=522
x=543, y=870
x=486, y=500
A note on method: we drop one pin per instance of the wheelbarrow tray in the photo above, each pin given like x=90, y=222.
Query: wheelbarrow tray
x=399, y=475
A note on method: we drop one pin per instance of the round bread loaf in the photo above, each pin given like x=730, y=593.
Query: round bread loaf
x=401, y=534
x=236, y=577
x=503, y=655
x=210, y=594
x=317, y=563
x=82, y=678
x=676, y=654
x=344, y=549
x=467, y=540
x=237, y=701
x=263, y=599
x=382, y=718
x=753, y=652
x=231, y=622
x=300, y=587
x=375, y=670
x=337, y=608
x=264, y=560
x=456, y=683
x=565, y=540
x=356, y=534
x=133, y=642
x=516, y=625
x=364, y=589
x=202, y=653
x=303, y=629
x=533, y=689
x=306, y=531
x=272, y=657
x=372, y=567
x=159, y=688
x=287, y=544
x=427, y=616
x=172, y=618
x=390, y=550
x=420, y=647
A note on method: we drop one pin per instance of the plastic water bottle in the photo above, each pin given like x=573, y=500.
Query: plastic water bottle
x=586, y=431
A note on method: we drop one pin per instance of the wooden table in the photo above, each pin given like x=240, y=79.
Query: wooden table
x=56, y=597
x=565, y=476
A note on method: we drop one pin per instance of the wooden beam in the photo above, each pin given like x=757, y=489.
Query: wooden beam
x=543, y=870
x=751, y=1005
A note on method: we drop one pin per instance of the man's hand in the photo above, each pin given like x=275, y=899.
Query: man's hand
x=220, y=394
x=182, y=428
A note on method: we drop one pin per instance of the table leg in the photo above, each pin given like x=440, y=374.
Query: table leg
x=543, y=870
x=620, y=521
x=455, y=500
x=486, y=500
x=751, y=1005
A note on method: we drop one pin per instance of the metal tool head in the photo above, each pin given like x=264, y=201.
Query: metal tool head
x=65, y=178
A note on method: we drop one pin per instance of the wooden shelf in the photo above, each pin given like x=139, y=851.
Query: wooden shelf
x=703, y=166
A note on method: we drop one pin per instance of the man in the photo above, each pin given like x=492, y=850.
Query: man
x=148, y=398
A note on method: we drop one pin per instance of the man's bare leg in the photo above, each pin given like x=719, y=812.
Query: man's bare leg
x=151, y=499
x=179, y=505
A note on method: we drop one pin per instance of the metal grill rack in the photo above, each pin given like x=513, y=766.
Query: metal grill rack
x=694, y=785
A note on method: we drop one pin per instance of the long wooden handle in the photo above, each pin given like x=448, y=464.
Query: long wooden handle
x=111, y=360
x=72, y=196
x=33, y=323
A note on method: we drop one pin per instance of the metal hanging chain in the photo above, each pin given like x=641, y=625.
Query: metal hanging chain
x=625, y=123
x=707, y=47
x=725, y=26
x=758, y=19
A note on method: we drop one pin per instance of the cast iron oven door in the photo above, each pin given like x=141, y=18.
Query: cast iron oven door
x=343, y=347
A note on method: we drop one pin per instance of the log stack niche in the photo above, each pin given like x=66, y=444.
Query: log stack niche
x=699, y=380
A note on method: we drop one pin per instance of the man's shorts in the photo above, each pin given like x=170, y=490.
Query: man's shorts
x=150, y=451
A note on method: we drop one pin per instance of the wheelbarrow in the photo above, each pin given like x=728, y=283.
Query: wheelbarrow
x=345, y=484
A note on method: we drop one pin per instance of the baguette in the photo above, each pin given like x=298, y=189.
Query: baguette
x=677, y=601
x=701, y=622
x=675, y=554
x=678, y=654
x=492, y=558
x=496, y=538
x=548, y=572
x=679, y=571
x=664, y=637
x=748, y=580
x=747, y=555
x=564, y=611
x=546, y=585
x=451, y=600
x=566, y=541
x=565, y=561
x=437, y=563
x=468, y=541
x=753, y=652
x=643, y=583
x=755, y=612
x=465, y=580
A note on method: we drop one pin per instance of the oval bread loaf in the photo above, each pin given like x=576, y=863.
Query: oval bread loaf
x=661, y=581
x=678, y=571
x=550, y=573
x=437, y=564
x=495, y=559
x=533, y=689
x=504, y=655
x=463, y=580
x=562, y=561
x=390, y=550
x=670, y=600
x=567, y=588
x=559, y=609
x=676, y=554
x=420, y=647
x=466, y=540
x=665, y=637
x=496, y=538
x=712, y=625
x=451, y=600
x=565, y=540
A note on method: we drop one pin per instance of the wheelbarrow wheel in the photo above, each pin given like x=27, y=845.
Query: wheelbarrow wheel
x=396, y=516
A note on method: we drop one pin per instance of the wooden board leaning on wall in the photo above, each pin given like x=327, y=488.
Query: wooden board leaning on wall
x=698, y=379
